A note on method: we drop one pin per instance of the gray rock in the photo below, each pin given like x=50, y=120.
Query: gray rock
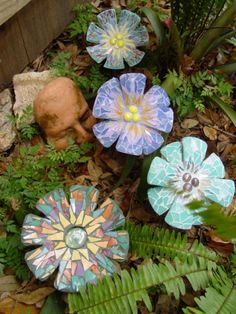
x=7, y=133
x=26, y=87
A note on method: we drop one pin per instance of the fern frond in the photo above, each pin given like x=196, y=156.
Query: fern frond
x=220, y=298
x=119, y=294
x=146, y=241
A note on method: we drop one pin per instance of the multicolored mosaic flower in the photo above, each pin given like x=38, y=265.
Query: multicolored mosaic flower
x=130, y=116
x=75, y=237
x=117, y=42
x=182, y=177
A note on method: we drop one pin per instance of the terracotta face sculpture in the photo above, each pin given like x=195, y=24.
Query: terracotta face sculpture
x=62, y=112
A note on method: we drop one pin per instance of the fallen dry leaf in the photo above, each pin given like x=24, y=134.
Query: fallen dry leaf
x=210, y=133
x=32, y=297
x=189, y=123
x=94, y=171
x=8, y=283
x=10, y=306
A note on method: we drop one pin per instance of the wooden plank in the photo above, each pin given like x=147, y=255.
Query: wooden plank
x=13, y=56
x=9, y=7
x=24, y=36
x=42, y=21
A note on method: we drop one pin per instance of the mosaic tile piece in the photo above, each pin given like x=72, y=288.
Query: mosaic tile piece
x=172, y=152
x=221, y=191
x=75, y=237
x=133, y=56
x=194, y=150
x=117, y=41
x=129, y=20
x=129, y=117
x=160, y=172
x=133, y=85
x=181, y=177
x=108, y=132
x=156, y=95
x=213, y=166
x=94, y=34
x=140, y=36
x=161, y=199
x=98, y=53
x=179, y=216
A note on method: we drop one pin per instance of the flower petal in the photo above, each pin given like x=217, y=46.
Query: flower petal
x=140, y=36
x=152, y=140
x=129, y=20
x=97, y=52
x=54, y=203
x=221, y=191
x=114, y=61
x=172, y=152
x=109, y=103
x=94, y=34
x=44, y=260
x=158, y=118
x=35, y=230
x=156, y=97
x=107, y=19
x=213, y=166
x=107, y=264
x=118, y=245
x=194, y=150
x=133, y=56
x=83, y=198
x=133, y=84
x=131, y=140
x=160, y=172
x=109, y=216
x=179, y=216
x=76, y=271
x=107, y=132
x=161, y=199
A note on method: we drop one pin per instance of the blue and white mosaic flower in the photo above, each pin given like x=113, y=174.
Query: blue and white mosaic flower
x=117, y=41
x=132, y=117
x=181, y=176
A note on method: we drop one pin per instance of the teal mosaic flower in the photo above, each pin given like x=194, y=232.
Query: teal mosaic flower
x=75, y=237
x=117, y=41
x=181, y=176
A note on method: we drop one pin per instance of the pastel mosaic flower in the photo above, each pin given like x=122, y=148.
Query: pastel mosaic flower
x=183, y=176
x=132, y=117
x=76, y=238
x=117, y=41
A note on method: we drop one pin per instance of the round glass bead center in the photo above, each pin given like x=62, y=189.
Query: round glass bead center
x=76, y=238
x=117, y=41
x=132, y=114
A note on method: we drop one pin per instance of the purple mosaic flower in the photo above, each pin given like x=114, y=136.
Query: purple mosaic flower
x=132, y=117
x=117, y=42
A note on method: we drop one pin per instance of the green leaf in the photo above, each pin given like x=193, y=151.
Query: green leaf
x=225, y=225
x=226, y=108
x=220, y=298
x=129, y=164
x=156, y=24
x=150, y=242
x=53, y=305
x=119, y=294
x=227, y=68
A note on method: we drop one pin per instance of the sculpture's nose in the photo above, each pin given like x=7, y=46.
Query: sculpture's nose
x=81, y=134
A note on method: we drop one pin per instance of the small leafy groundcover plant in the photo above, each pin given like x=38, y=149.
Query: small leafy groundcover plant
x=117, y=42
x=76, y=238
x=183, y=176
x=132, y=117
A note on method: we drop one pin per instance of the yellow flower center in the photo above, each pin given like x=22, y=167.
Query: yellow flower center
x=117, y=41
x=132, y=114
